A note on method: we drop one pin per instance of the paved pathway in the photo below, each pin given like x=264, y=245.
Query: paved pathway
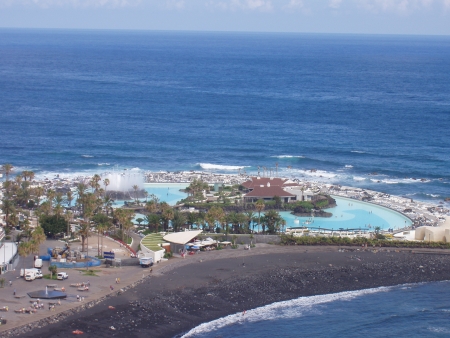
x=99, y=284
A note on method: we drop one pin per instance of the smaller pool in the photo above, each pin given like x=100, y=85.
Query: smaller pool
x=165, y=192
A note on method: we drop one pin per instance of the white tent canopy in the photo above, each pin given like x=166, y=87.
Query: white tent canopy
x=182, y=237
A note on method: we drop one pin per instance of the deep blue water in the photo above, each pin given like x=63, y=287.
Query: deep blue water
x=420, y=310
x=346, y=105
x=349, y=106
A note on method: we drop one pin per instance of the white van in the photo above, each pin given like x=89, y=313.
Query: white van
x=62, y=276
x=37, y=272
x=30, y=276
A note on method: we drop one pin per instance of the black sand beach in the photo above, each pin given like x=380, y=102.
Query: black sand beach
x=211, y=285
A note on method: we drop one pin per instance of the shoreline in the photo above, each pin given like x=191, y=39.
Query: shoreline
x=164, y=289
x=419, y=212
x=186, y=293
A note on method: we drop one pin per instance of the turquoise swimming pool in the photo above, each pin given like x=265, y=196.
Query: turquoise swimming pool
x=348, y=214
x=352, y=214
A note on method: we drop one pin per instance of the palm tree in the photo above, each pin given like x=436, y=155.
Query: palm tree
x=151, y=206
x=127, y=226
x=135, y=188
x=215, y=214
x=94, y=183
x=81, y=192
x=153, y=221
x=179, y=219
x=24, y=249
x=7, y=169
x=100, y=230
x=241, y=219
x=271, y=218
x=8, y=209
x=27, y=174
x=107, y=202
x=38, y=235
x=106, y=183
x=38, y=192
x=50, y=196
x=259, y=205
x=167, y=216
x=250, y=215
x=84, y=232
x=192, y=218
x=69, y=198
x=58, y=207
x=69, y=218
x=124, y=217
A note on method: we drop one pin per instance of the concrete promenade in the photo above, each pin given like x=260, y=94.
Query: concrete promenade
x=99, y=284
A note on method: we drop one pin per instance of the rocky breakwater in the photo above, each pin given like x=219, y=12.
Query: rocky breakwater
x=203, y=290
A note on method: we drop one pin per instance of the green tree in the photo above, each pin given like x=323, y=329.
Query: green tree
x=8, y=209
x=271, y=219
x=53, y=270
x=215, y=216
x=179, y=219
x=24, y=249
x=192, y=218
x=84, y=232
x=52, y=224
x=259, y=205
x=37, y=238
x=278, y=202
x=153, y=222
x=7, y=169
x=135, y=188
x=167, y=216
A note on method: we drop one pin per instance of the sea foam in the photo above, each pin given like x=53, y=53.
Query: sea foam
x=288, y=156
x=285, y=309
x=210, y=166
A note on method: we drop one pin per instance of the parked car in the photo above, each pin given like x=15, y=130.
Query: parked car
x=62, y=275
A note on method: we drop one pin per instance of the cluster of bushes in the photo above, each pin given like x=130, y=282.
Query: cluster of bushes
x=334, y=240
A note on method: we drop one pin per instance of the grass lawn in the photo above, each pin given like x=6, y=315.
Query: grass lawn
x=48, y=277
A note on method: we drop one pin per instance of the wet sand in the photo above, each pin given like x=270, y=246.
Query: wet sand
x=211, y=285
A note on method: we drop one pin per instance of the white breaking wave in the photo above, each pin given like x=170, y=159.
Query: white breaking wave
x=101, y=164
x=359, y=178
x=210, y=166
x=289, y=156
x=317, y=173
x=358, y=151
x=398, y=181
x=87, y=156
x=348, y=166
x=285, y=309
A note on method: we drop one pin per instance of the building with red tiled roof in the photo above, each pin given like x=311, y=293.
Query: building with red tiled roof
x=267, y=188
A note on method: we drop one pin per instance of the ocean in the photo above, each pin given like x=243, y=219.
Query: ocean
x=415, y=310
x=371, y=111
